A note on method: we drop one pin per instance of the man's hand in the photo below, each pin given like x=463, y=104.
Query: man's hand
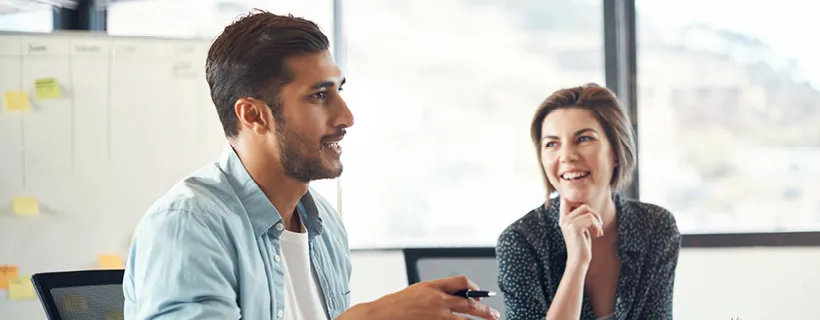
x=424, y=300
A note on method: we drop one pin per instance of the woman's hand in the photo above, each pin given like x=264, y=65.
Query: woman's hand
x=579, y=223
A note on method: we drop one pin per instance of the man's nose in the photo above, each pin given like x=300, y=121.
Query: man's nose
x=344, y=117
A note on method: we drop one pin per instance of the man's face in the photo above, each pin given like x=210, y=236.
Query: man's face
x=312, y=119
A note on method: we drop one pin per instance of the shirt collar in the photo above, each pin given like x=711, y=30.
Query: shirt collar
x=631, y=235
x=262, y=214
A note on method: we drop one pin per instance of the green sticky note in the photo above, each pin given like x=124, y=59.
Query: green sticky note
x=47, y=88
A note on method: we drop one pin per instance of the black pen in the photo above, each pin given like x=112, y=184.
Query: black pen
x=467, y=293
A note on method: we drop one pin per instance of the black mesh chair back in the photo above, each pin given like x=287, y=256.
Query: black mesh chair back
x=81, y=295
x=477, y=263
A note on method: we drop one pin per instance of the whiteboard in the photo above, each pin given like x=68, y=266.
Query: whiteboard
x=133, y=117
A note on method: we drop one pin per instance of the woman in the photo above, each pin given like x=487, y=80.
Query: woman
x=588, y=253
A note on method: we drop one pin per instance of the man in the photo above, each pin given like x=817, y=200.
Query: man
x=246, y=237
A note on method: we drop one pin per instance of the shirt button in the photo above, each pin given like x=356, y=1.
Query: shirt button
x=280, y=227
x=276, y=258
x=280, y=313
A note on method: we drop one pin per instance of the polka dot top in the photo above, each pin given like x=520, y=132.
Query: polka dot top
x=532, y=257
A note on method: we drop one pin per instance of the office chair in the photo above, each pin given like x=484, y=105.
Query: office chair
x=81, y=295
x=477, y=263
x=414, y=256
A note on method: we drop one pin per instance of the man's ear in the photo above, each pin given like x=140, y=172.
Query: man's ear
x=252, y=115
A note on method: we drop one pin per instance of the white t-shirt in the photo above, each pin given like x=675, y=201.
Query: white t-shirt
x=303, y=296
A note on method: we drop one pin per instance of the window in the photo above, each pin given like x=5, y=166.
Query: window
x=730, y=136
x=26, y=17
x=204, y=18
x=443, y=94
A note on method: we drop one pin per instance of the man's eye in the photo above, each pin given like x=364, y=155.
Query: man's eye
x=319, y=95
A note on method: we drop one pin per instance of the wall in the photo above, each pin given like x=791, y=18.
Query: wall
x=721, y=284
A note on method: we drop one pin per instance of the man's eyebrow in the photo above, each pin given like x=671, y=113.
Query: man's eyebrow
x=327, y=84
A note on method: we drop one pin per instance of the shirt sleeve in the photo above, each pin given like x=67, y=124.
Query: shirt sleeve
x=519, y=278
x=660, y=298
x=180, y=268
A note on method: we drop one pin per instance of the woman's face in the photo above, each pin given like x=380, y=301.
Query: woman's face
x=576, y=155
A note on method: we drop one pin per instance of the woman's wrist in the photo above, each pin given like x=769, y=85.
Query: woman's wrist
x=577, y=265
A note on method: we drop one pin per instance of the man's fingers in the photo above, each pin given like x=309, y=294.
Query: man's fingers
x=471, y=307
x=453, y=284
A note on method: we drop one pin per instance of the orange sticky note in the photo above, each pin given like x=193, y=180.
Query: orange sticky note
x=20, y=288
x=16, y=101
x=26, y=206
x=7, y=272
x=109, y=261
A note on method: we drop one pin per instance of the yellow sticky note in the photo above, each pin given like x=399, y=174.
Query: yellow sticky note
x=16, y=101
x=109, y=261
x=74, y=304
x=7, y=272
x=47, y=88
x=114, y=315
x=20, y=288
x=26, y=206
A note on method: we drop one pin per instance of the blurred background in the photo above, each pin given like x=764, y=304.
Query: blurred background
x=725, y=96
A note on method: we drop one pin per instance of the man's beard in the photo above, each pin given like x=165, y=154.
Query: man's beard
x=297, y=161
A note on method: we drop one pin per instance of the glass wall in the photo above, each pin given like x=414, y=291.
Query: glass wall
x=729, y=121
x=443, y=93
x=203, y=18
x=38, y=18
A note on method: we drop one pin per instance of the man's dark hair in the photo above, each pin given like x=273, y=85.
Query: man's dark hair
x=248, y=60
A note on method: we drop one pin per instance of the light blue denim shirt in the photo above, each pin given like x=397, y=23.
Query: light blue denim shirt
x=209, y=249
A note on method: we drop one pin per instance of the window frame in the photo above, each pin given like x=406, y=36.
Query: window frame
x=85, y=15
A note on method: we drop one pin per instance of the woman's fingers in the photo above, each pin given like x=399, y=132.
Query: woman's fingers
x=588, y=220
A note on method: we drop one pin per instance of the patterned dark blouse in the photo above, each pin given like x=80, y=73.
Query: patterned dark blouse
x=532, y=257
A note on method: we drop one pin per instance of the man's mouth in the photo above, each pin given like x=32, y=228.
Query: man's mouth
x=332, y=142
x=333, y=145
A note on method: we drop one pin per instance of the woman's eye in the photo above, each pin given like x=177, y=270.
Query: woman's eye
x=584, y=138
x=550, y=144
